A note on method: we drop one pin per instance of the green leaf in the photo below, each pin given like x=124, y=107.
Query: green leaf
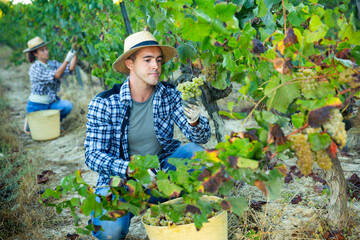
x=186, y=51
x=347, y=63
x=225, y=11
x=319, y=141
x=247, y=163
x=298, y=120
x=330, y=18
x=90, y=204
x=280, y=97
x=168, y=188
x=195, y=31
x=75, y=202
x=324, y=89
x=238, y=205
x=226, y=188
x=355, y=52
x=274, y=184
x=229, y=62
x=261, y=9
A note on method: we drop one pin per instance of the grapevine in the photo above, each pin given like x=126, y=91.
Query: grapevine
x=191, y=89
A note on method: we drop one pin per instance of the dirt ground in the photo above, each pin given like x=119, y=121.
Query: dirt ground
x=278, y=219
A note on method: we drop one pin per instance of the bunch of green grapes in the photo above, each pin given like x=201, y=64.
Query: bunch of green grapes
x=335, y=127
x=323, y=159
x=304, y=154
x=209, y=72
x=309, y=83
x=351, y=77
x=164, y=220
x=191, y=89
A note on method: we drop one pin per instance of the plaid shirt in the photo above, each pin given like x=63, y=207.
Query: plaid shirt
x=106, y=143
x=42, y=79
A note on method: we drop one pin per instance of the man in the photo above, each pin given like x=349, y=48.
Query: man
x=137, y=118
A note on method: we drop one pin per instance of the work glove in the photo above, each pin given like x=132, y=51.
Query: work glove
x=70, y=55
x=192, y=109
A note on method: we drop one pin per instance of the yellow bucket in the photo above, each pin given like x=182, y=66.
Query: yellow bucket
x=44, y=124
x=215, y=229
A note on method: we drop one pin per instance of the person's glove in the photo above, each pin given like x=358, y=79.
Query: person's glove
x=70, y=55
x=192, y=109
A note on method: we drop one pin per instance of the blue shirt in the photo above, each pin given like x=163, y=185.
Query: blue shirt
x=106, y=143
x=42, y=79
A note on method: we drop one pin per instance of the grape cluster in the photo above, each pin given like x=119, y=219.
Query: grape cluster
x=335, y=127
x=209, y=72
x=304, y=154
x=351, y=77
x=191, y=89
x=163, y=219
x=323, y=159
x=309, y=83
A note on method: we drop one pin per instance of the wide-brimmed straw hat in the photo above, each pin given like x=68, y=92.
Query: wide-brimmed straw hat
x=137, y=41
x=35, y=43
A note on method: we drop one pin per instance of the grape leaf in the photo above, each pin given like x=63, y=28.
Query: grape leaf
x=319, y=141
x=186, y=51
x=281, y=98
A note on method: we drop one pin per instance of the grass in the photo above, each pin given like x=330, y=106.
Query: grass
x=21, y=214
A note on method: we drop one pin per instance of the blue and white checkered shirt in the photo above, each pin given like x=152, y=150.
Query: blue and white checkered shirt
x=42, y=79
x=106, y=143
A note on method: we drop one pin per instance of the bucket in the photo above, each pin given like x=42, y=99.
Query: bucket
x=215, y=229
x=44, y=124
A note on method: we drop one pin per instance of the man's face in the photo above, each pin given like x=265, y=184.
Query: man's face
x=147, y=66
x=42, y=54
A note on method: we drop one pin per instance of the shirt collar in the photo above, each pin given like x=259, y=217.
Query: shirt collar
x=43, y=64
x=125, y=94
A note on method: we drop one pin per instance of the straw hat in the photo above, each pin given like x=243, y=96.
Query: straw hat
x=137, y=41
x=35, y=43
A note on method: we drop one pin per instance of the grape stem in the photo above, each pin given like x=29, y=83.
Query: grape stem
x=298, y=130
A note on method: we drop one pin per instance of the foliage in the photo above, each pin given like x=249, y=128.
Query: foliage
x=298, y=58
x=209, y=173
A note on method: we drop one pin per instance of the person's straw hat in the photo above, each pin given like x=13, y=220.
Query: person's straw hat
x=139, y=40
x=35, y=43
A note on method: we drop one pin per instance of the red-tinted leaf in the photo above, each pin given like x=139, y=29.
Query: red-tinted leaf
x=192, y=209
x=333, y=150
x=42, y=180
x=261, y=185
x=117, y=213
x=276, y=135
x=296, y=199
x=283, y=66
x=256, y=205
x=319, y=189
x=225, y=205
x=73, y=236
x=344, y=54
x=258, y=46
x=204, y=174
x=214, y=182
x=282, y=169
x=288, y=178
x=319, y=116
x=290, y=38
x=233, y=161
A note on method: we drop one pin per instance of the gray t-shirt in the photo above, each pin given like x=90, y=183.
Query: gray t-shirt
x=142, y=138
